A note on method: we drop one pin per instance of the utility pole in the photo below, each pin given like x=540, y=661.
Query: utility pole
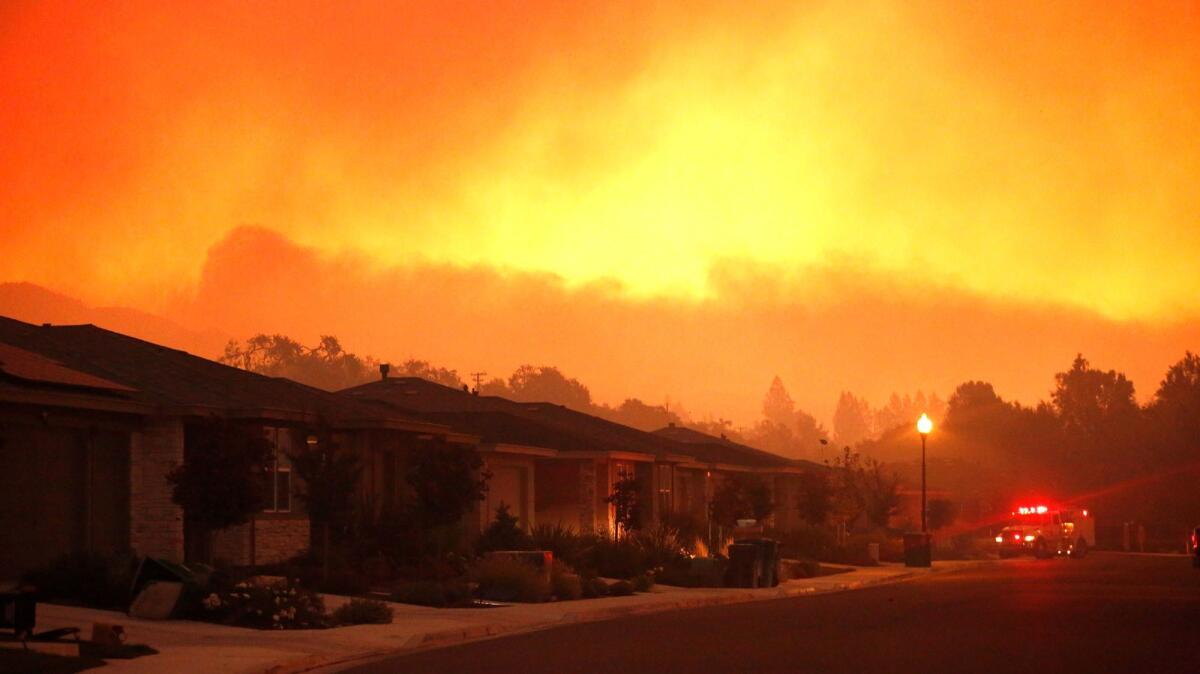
x=478, y=377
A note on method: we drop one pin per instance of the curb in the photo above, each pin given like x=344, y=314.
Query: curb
x=478, y=632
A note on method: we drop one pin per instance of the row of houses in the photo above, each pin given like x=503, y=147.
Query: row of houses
x=91, y=422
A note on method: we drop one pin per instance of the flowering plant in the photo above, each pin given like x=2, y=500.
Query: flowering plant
x=282, y=606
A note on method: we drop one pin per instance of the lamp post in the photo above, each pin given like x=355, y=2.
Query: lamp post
x=924, y=426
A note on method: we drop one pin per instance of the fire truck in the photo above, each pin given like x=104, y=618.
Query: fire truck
x=1045, y=531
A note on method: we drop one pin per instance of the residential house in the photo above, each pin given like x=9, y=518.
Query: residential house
x=91, y=422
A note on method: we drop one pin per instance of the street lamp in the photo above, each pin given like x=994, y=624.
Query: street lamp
x=924, y=426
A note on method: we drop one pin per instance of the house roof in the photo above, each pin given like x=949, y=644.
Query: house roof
x=499, y=420
x=553, y=426
x=724, y=450
x=174, y=381
x=30, y=367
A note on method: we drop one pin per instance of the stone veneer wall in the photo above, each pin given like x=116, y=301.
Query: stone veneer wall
x=155, y=522
x=587, y=496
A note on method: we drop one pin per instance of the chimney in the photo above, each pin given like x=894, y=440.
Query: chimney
x=384, y=368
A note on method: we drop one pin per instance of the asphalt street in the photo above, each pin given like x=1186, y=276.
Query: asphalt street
x=1105, y=613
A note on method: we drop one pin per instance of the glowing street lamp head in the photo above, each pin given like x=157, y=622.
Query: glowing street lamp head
x=924, y=424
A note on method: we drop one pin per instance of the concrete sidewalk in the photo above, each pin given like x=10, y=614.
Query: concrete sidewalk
x=187, y=646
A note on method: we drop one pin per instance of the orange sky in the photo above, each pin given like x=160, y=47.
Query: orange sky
x=781, y=173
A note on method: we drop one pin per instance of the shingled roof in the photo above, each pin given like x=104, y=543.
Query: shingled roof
x=173, y=381
x=553, y=426
x=724, y=450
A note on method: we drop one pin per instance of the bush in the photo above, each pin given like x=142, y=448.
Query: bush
x=504, y=533
x=506, y=579
x=621, y=588
x=431, y=593
x=644, y=582
x=282, y=606
x=660, y=545
x=565, y=583
x=97, y=581
x=594, y=588
x=363, y=612
x=612, y=558
x=567, y=544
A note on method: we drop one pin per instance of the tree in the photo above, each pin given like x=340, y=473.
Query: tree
x=778, y=406
x=1090, y=401
x=328, y=479
x=741, y=496
x=446, y=480
x=814, y=498
x=548, y=384
x=880, y=492
x=626, y=501
x=637, y=414
x=424, y=370
x=1176, y=408
x=1101, y=424
x=810, y=435
x=326, y=365
x=941, y=513
x=220, y=482
x=851, y=419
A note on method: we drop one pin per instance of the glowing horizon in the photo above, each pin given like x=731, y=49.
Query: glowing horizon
x=776, y=162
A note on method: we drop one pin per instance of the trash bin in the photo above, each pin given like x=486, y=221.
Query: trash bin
x=918, y=549
x=18, y=611
x=767, y=558
x=745, y=565
x=873, y=552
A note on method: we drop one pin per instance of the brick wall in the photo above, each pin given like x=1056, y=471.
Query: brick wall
x=155, y=523
x=276, y=538
x=280, y=539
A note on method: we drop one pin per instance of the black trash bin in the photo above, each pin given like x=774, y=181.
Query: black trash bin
x=745, y=565
x=18, y=611
x=768, y=560
x=918, y=549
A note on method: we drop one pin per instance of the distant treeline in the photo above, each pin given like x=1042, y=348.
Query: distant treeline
x=784, y=428
x=1091, y=443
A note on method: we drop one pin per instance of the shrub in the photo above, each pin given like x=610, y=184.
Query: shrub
x=621, y=588
x=282, y=606
x=660, y=545
x=566, y=543
x=363, y=612
x=612, y=558
x=91, y=580
x=644, y=582
x=565, y=583
x=506, y=579
x=594, y=588
x=504, y=533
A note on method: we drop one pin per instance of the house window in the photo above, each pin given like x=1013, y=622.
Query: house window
x=277, y=484
x=664, y=489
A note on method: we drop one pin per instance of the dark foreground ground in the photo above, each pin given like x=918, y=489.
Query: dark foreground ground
x=1105, y=613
